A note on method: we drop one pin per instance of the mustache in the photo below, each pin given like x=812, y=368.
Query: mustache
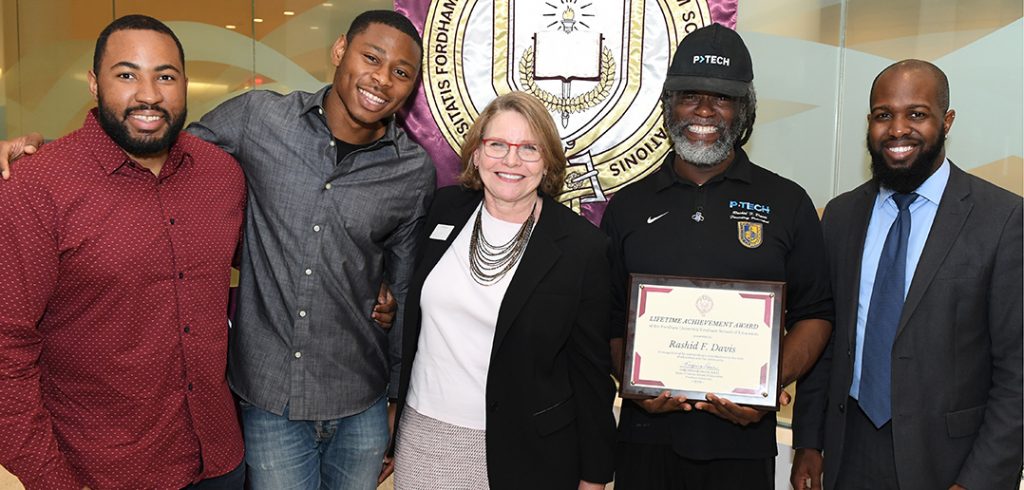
x=147, y=107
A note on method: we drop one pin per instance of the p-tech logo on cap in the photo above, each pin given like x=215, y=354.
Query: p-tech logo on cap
x=711, y=59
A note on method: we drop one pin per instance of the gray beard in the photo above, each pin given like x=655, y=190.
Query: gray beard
x=699, y=154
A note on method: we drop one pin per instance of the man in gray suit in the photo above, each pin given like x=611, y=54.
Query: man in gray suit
x=921, y=385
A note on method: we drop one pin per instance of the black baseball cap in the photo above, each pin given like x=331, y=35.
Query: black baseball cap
x=712, y=59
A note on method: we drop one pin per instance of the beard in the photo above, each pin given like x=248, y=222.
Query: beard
x=909, y=178
x=700, y=154
x=117, y=128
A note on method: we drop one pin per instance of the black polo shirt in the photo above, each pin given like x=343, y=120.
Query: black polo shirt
x=745, y=223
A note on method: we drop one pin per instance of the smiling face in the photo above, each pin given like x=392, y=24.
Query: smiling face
x=376, y=72
x=907, y=127
x=509, y=182
x=140, y=89
x=702, y=127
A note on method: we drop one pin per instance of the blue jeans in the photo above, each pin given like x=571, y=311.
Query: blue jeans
x=343, y=453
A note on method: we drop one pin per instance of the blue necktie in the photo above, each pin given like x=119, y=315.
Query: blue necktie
x=884, y=317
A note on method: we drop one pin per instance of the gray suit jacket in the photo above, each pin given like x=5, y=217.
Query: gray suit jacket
x=956, y=364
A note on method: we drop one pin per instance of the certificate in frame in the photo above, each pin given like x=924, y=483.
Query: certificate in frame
x=692, y=336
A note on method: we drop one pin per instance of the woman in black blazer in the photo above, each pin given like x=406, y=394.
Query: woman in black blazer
x=505, y=374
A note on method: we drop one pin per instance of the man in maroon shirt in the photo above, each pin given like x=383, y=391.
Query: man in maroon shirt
x=113, y=328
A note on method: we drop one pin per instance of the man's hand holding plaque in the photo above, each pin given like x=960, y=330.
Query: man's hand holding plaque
x=734, y=413
x=665, y=402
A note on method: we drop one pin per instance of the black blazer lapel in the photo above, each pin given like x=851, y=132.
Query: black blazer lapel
x=541, y=254
x=455, y=214
x=851, y=260
x=954, y=208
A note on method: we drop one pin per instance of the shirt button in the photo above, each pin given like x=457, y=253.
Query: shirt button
x=309, y=272
x=172, y=221
x=190, y=387
x=298, y=354
x=320, y=110
x=332, y=142
x=302, y=313
x=316, y=228
x=181, y=275
x=187, y=330
x=327, y=186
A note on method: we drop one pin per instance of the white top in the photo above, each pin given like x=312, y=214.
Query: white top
x=449, y=374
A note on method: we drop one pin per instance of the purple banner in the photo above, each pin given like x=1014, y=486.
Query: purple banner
x=416, y=116
x=470, y=42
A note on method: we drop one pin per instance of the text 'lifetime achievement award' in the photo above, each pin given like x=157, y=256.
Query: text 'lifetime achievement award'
x=694, y=336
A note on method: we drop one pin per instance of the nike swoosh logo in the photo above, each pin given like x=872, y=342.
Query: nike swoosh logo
x=652, y=219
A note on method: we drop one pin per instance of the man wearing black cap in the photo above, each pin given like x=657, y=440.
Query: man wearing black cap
x=710, y=212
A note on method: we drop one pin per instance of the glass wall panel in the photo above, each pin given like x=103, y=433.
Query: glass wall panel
x=218, y=43
x=45, y=82
x=980, y=46
x=795, y=48
x=8, y=55
x=295, y=37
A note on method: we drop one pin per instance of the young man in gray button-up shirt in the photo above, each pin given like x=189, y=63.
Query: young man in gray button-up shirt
x=336, y=194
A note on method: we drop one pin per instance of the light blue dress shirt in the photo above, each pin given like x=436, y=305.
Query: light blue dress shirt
x=884, y=212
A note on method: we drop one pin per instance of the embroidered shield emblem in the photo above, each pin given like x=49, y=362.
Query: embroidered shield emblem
x=750, y=234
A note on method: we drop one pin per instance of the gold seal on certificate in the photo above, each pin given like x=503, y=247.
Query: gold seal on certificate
x=693, y=336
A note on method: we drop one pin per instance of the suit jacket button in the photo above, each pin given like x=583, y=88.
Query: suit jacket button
x=842, y=408
x=492, y=406
x=849, y=353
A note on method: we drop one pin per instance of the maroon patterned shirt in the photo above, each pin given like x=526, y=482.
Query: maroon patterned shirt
x=113, y=315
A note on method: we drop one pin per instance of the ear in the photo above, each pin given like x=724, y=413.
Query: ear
x=947, y=120
x=338, y=50
x=93, y=87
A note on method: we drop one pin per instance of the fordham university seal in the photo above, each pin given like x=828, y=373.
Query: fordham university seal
x=597, y=65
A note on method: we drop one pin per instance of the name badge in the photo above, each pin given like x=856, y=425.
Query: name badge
x=441, y=232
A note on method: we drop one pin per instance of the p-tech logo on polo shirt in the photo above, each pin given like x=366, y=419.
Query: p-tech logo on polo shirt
x=751, y=219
